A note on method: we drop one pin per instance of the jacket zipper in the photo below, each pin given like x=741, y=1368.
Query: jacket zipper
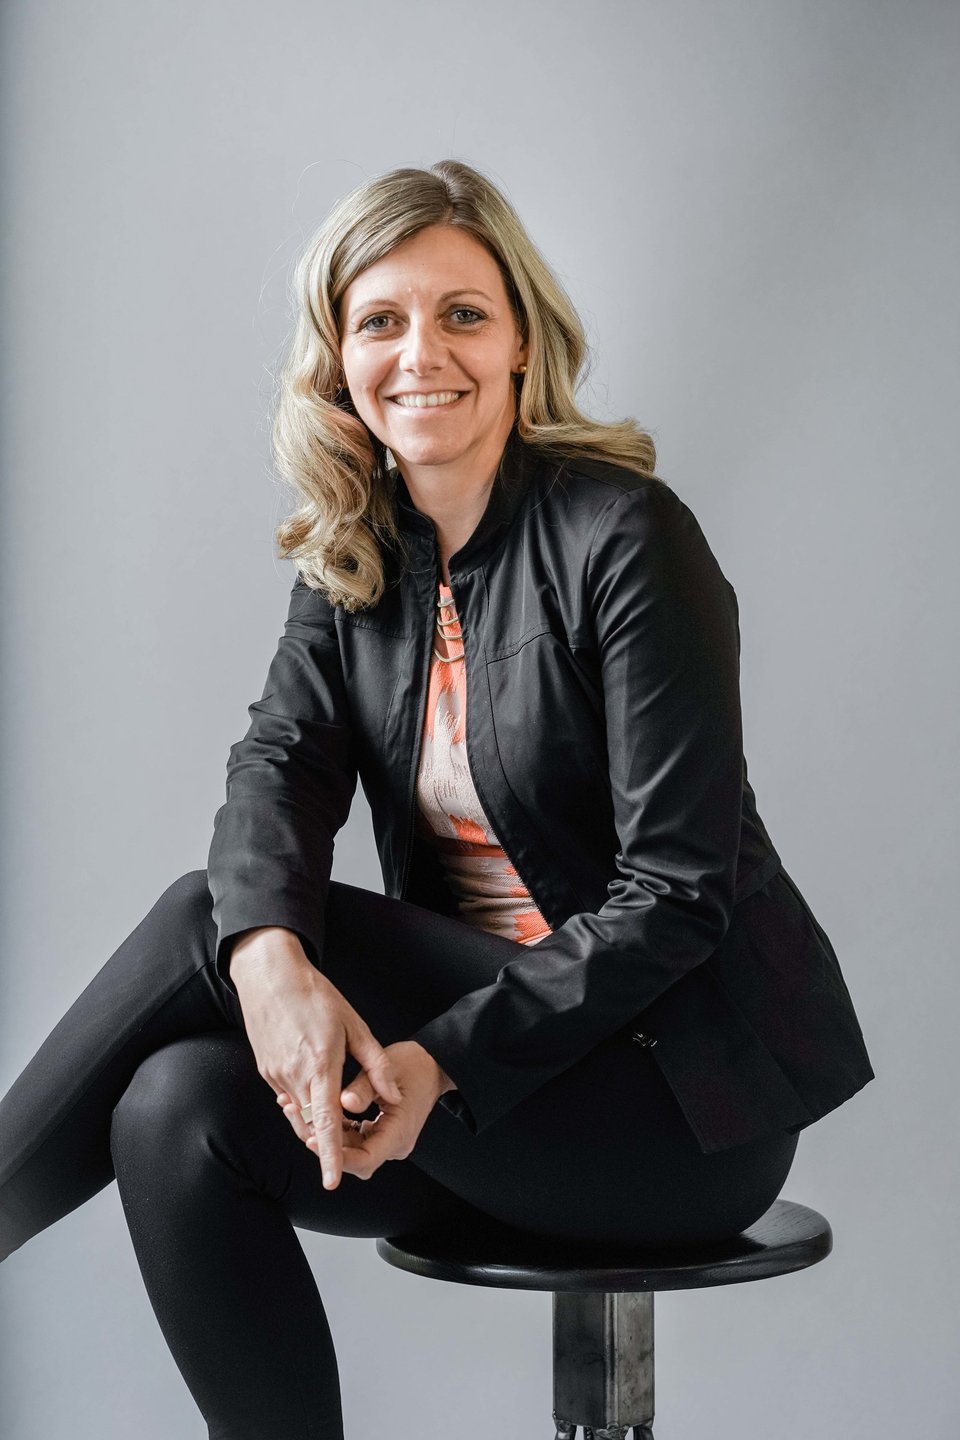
x=418, y=745
x=530, y=889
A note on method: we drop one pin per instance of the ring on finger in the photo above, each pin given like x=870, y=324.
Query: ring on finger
x=306, y=1112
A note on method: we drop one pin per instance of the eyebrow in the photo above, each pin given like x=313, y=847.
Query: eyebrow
x=447, y=295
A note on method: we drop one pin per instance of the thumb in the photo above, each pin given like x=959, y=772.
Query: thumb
x=377, y=1069
x=359, y=1094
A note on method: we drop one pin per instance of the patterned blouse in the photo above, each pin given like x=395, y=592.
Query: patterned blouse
x=489, y=892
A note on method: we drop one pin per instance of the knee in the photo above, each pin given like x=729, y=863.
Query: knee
x=157, y=1098
x=176, y=1098
x=188, y=897
x=197, y=1119
x=184, y=912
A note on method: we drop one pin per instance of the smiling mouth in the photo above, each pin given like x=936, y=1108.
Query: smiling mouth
x=424, y=401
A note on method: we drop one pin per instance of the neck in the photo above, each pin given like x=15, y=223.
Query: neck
x=455, y=510
x=454, y=496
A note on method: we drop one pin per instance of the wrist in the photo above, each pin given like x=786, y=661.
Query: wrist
x=262, y=951
x=443, y=1081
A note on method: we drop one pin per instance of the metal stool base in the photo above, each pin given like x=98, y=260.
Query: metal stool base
x=609, y=1432
x=603, y=1364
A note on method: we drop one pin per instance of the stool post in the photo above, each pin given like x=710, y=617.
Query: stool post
x=603, y=1364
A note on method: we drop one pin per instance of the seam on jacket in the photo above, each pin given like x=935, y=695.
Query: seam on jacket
x=391, y=634
x=756, y=877
x=524, y=809
x=389, y=710
x=541, y=628
x=621, y=497
x=626, y=481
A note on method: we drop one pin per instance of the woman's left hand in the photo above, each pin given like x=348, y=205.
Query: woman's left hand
x=395, y=1131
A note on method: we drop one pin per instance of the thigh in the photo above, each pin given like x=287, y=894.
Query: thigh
x=55, y=1119
x=398, y=964
x=600, y=1152
x=603, y=1153
x=197, y=1122
x=159, y=986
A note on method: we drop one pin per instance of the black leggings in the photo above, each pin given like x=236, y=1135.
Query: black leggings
x=150, y=1078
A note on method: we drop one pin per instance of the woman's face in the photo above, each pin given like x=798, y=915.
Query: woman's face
x=428, y=346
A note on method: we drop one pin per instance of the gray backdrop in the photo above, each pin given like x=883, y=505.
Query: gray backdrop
x=754, y=206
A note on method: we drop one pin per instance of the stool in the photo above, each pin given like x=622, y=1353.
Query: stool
x=603, y=1299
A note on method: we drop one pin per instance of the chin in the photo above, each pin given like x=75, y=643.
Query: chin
x=427, y=452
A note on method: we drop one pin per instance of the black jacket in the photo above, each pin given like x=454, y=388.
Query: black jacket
x=604, y=739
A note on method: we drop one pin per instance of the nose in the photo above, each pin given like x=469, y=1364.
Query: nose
x=423, y=348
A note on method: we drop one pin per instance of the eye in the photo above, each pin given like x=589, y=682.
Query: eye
x=368, y=324
x=462, y=315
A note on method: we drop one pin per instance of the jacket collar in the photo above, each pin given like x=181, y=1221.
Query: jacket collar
x=518, y=463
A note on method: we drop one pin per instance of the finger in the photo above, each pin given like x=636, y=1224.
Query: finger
x=356, y=1157
x=359, y=1094
x=285, y=1100
x=349, y=1134
x=382, y=1139
x=351, y=1139
x=377, y=1065
x=327, y=1126
x=291, y=1109
x=303, y=1129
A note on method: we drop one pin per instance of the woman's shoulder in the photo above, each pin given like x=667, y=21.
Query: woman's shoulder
x=620, y=513
x=593, y=485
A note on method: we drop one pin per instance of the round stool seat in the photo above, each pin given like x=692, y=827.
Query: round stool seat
x=787, y=1237
x=603, y=1298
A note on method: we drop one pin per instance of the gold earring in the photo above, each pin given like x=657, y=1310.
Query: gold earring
x=521, y=369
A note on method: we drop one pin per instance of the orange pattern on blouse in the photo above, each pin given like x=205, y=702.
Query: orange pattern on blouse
x=488, y=890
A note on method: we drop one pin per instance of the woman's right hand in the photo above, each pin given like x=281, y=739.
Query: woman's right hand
x=300, y=1028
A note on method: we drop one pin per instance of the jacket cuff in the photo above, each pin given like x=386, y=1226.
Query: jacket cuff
x=487, y=1085
x=449, y=1053
x=308, y=930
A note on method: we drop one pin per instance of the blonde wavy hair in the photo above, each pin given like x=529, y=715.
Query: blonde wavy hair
x=335, y=465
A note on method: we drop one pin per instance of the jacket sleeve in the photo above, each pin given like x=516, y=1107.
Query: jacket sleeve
x=290, y=782
x=667, y=640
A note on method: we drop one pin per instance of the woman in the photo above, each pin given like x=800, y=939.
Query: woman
x=592, y=1003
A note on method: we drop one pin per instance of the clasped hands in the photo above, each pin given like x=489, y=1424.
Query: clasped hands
x=300, y=1027
x=406, y=1083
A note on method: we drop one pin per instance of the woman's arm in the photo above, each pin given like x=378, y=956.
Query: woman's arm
x=290, y=782
x=668, y=645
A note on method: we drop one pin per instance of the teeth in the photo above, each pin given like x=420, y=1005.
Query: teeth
x=423, y=402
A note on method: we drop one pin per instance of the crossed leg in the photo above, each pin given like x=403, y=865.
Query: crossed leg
x=150, y=1077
